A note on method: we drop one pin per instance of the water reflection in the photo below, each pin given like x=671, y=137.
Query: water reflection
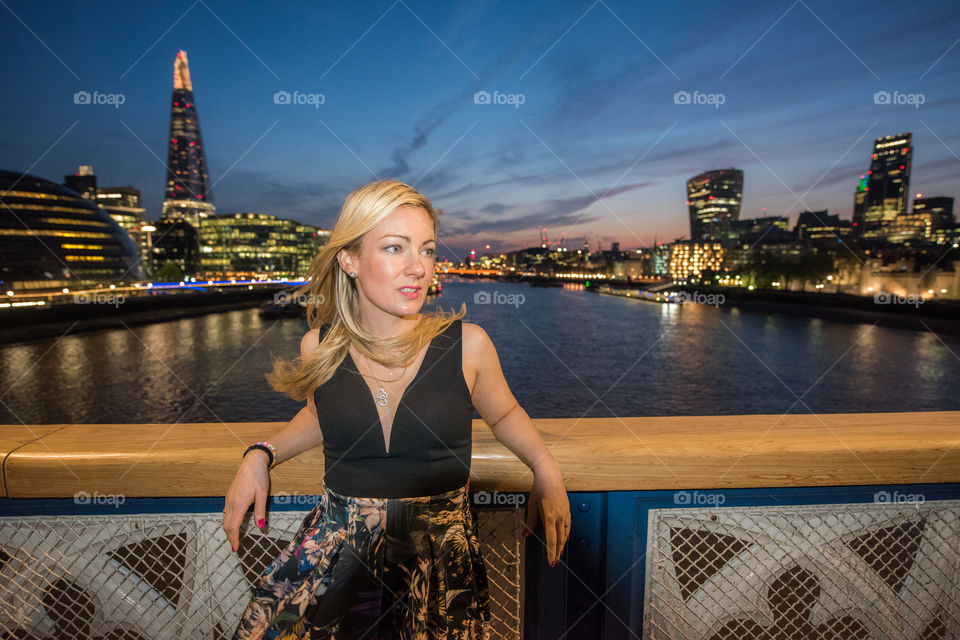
x=565, y=353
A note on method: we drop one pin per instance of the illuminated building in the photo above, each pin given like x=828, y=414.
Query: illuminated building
x=257, y=244
x=882, y=192
x=123, y=205
x=175, y=241
x=909, y=226
x=83, y=182
x=692, y=258
x=187, y=196
x=714, y=199
x=822, y=228
x=52, y=238
x=752, y=230
x=940, y=208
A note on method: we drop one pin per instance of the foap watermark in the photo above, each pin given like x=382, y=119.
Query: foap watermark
x=96, y=297
x=95, y=97
x=885, y=497
x=282, y=497
x=698, y=499
x=496, y=297
x=285, y=297
x=485, y=97
x=685, y=97
x=896, y=97
x=499, y=499
x=297, y=97
x=698, y=297
x=96, y=498
x=882, y=297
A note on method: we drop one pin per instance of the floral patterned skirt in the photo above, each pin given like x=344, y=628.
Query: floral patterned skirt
x=377, y=569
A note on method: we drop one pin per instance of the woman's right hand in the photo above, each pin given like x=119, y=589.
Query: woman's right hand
x=250, y=485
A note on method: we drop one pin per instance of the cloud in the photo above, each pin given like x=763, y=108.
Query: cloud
x=552, y=212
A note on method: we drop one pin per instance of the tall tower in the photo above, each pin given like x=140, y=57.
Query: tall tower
x=187, y=196
x=714, y=201
x=883, y=192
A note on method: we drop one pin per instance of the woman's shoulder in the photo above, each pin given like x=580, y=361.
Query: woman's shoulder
x=475, y=340
x=311, y=340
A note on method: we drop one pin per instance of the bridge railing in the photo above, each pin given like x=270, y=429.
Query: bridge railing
x=751, y=526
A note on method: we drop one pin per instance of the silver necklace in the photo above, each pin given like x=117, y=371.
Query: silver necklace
x=380, y=397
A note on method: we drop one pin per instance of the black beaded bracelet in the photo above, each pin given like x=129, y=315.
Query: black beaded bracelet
x=264, y=448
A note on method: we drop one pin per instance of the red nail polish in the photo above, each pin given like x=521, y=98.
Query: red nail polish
x=232, y=548
x=260, y=523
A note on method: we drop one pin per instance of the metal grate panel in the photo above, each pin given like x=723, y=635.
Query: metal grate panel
x=884, y=571
x=173, y=576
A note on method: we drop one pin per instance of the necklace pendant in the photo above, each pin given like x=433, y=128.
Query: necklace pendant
x=381, y=396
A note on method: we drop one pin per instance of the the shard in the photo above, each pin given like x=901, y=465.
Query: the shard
x=187, y=194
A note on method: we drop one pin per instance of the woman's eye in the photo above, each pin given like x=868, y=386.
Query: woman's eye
x=429, y=252
x=393, y=246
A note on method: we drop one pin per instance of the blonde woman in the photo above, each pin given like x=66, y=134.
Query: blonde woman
x=392, y=549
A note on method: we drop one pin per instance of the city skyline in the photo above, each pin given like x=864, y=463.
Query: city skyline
x=505, y=132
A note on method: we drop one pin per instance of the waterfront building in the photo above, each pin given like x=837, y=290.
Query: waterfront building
x=244, y=245
x=52, y=238
x=688, y=258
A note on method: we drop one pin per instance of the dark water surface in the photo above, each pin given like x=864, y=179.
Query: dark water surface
x=564, y=352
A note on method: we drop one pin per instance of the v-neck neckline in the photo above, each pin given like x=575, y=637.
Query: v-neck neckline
x=385, y=442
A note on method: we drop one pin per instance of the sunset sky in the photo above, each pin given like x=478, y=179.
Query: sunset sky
x=589, y=138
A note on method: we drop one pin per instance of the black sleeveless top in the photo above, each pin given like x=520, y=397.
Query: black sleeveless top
x=431, y=437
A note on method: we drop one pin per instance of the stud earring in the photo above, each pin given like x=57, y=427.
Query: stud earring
x=353, y=274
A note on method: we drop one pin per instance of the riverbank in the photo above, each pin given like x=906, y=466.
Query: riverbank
x=939, y=316
x=50, y=321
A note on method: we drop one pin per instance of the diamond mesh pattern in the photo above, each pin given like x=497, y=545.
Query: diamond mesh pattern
x=173, y=576
x=858, y=571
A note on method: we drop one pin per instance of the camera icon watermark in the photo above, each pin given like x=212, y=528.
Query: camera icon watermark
x=685, y=97
x=514, y=99
x=295, y=498
x=883, y=297
x=96, y=297
x=698, y=297
x=896, y=97
x=95, y=97
x=885, y=497
x=96, y=499
x=499, y=499
x=496, y=297
x=305, y=299
x=698, y=499
x=296, y=97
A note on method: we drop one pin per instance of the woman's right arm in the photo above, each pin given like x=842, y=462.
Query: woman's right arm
x=251, y=484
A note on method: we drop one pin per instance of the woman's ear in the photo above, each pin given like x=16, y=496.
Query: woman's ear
x=345, y=260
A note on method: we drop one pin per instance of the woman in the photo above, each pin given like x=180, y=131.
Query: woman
x=392, y=548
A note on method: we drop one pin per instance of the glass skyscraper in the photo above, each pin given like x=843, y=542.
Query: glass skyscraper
x=187, y=196
x=714, y=201
x=883, y=192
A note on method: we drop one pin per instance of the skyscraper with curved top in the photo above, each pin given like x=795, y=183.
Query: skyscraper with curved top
x=187, y=196
x=714, y=200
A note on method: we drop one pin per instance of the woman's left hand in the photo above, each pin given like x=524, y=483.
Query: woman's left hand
x=549, y=503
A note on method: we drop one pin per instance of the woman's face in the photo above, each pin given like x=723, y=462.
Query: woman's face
x=396, y=263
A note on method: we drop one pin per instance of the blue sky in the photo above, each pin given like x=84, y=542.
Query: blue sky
x=598, y=148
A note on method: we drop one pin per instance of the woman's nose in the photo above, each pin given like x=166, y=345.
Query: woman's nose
x=415, y=266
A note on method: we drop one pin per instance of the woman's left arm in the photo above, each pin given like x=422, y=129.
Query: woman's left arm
x=512, y=427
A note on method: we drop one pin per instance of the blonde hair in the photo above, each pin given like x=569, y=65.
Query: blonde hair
x=332, y=297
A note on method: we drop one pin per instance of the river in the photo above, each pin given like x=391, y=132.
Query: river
x=564, y=352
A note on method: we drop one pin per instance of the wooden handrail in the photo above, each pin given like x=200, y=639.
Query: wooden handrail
x=595, y=454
